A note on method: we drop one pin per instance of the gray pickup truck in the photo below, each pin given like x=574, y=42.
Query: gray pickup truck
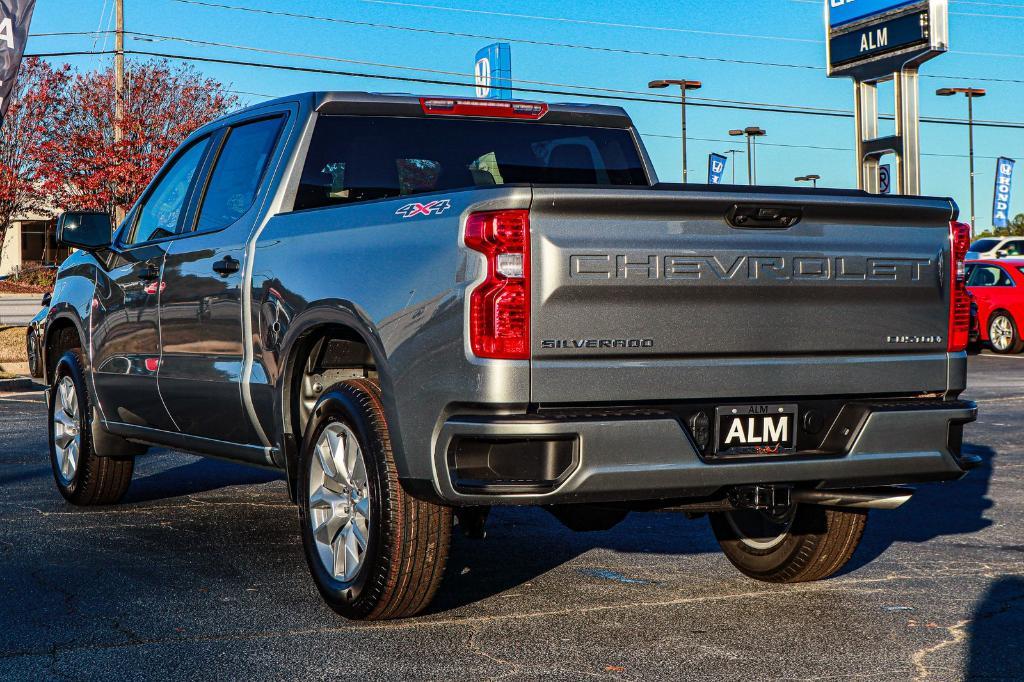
x=419, y=308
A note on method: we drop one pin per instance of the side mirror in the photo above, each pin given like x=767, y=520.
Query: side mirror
x=46, y=300
x=86, y=230
x=1002, y=253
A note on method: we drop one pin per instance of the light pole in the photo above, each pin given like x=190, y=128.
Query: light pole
x=733, y=152
x=750, y=132
x=809, y=178
x=684, y=85
x=970, y=94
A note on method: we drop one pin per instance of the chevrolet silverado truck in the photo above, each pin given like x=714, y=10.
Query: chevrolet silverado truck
x=418, y=308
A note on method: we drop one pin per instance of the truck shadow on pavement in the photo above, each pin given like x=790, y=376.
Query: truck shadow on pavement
x=996, y=633
x=936, y=509
x=523, y=543
x=201, y=475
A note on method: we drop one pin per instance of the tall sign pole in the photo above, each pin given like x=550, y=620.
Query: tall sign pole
x=874, y=41
x=15, y=16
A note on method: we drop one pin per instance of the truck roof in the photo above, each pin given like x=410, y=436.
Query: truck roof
x=406, y=104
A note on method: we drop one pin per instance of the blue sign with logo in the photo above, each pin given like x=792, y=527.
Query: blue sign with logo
x=493, y=72
x=845, y=11
x=1001, y=200
x=716, y=168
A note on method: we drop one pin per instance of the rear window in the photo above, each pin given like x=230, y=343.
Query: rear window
x=984, y=245
x=359, y=158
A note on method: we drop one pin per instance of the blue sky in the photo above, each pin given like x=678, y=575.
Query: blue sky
x=985, y=43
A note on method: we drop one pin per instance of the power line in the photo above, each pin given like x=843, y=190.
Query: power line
x=590, y=22
x=547, y=43
x=543, y=91
x=669, y=98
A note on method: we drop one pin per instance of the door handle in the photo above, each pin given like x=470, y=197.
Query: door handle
x=226, y=266
x=147, y=272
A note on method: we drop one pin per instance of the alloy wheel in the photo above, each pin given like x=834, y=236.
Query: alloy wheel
x=1000, y=332
x=67, y=433
x=339, y=502
x=761, y=530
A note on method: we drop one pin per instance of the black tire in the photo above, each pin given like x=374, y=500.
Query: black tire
x=407, y=539
x=809, y=542
x=95, y=480
x=1014, y=343
x=35, y=365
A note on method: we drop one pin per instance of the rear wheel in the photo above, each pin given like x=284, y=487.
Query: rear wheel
x=374, y=551
x=82, y=477
x=797, y=544
x=1003, y=334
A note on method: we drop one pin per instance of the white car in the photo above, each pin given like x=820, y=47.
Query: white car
x=996, y=247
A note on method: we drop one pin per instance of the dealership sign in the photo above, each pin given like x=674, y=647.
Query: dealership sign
x=876, y=38
x=842, y=12
x=492, y=72
x=15, y=16
x=1001, y=200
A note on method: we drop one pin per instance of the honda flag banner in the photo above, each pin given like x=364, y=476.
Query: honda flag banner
x=1001, y=200
x=716, y=168
x=15, y=16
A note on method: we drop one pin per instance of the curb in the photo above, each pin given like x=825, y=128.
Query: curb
x=17, y=384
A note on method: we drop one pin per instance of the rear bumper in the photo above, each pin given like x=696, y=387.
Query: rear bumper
x=648, y=455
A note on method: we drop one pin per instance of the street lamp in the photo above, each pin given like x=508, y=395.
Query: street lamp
x=970, y=94
x=809, y=178
x=751, y=132
x=684, y=85
x=733, y=152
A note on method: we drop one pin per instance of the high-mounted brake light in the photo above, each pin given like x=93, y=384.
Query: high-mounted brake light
x=489, y=108
x=499, y=307
x=959, y=299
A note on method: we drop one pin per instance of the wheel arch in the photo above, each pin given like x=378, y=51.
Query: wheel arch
x=331, y=337
x=63, y=332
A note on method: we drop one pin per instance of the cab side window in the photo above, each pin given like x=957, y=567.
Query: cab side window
x=161, y=213
x=236, y=177
x=1015, y=248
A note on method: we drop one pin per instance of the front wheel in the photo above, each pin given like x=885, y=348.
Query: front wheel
x=797, y=544
x=374, y=551
x=1004, y=335
x=83, y=477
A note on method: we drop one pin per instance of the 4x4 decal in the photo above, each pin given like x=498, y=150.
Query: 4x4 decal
x=431, y=208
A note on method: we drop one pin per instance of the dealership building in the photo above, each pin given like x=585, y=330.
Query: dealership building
x=31, y=242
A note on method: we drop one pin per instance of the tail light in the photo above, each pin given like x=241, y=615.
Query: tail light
x=499, y=307
x=959, y=299
x=483, y=107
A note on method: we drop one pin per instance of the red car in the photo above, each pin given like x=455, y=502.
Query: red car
x=998, y=289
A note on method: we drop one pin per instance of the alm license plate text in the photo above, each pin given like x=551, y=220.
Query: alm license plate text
x=756, y=429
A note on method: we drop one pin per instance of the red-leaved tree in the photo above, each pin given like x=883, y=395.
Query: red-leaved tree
x=36, y=103
x=84, y=168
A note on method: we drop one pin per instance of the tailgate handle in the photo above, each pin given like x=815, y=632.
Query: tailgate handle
x=769, y=217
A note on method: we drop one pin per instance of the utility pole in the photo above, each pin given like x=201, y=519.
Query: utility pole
x=118, y=86
x=684, y=85
x=970, y=94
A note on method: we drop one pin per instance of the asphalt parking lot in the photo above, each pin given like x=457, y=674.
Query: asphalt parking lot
x=199, y=574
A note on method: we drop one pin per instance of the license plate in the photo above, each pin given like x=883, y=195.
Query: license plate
x=755, y=430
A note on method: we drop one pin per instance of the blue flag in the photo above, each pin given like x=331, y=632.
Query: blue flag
x=1001, y=200
x=716, y=168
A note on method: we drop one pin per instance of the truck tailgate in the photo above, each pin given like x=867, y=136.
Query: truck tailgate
x=656, y=294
